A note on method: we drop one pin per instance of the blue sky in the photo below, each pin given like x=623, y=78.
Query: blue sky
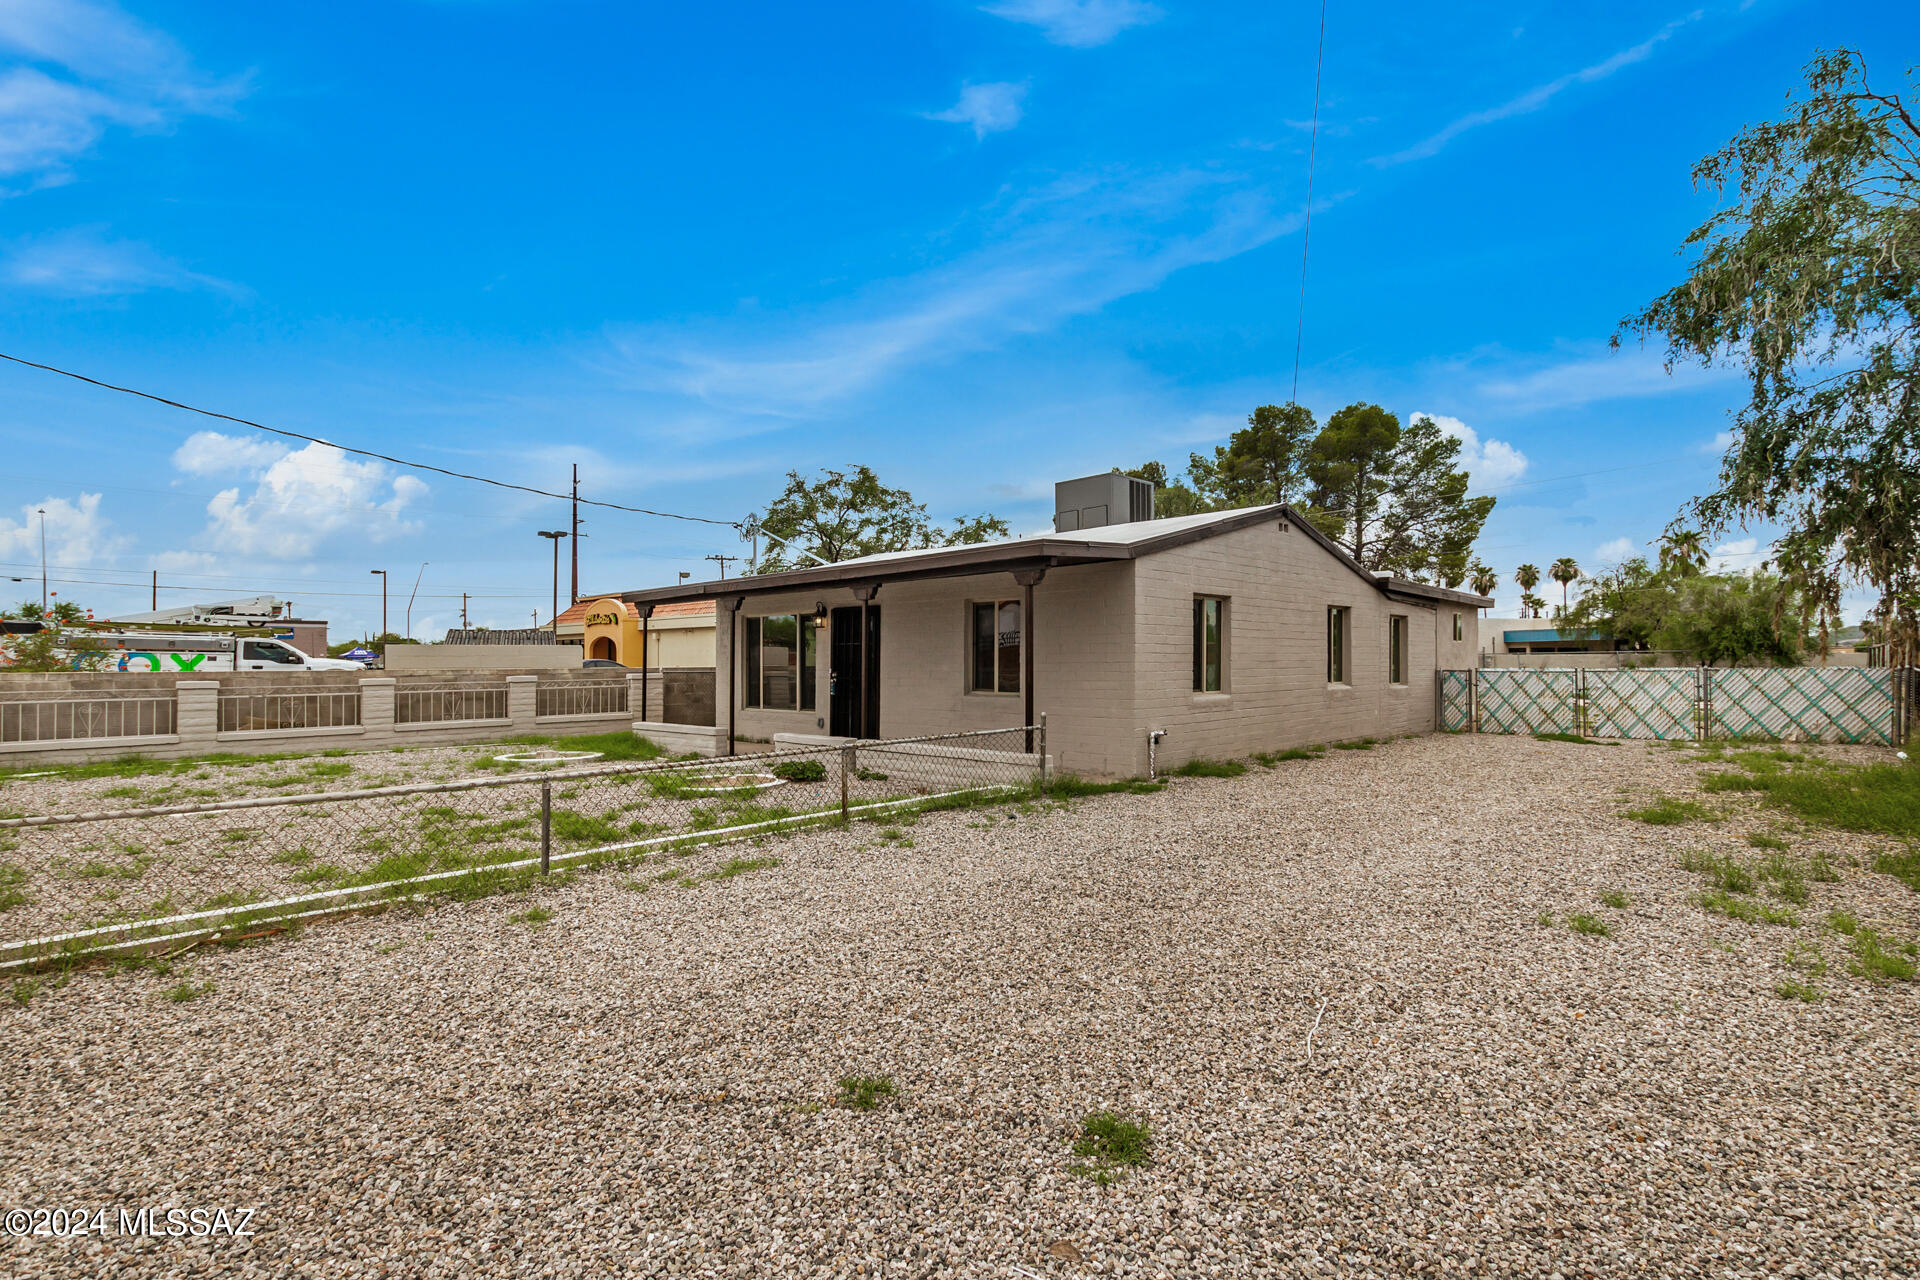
x=980, y=247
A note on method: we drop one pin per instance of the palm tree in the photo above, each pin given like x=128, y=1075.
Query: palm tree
x=1528, y=576
x=1684, y=551
x=1533, y=604
x=1565, y=572
x=1484, y=580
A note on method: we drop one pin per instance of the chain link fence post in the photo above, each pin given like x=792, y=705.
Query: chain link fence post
x=846, y=770
x=1043, y=749
x=546, y=826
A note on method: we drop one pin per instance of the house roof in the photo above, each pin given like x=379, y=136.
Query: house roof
x=1082, y=546
x=576, y=613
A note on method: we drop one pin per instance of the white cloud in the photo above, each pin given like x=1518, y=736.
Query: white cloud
x=1538, y=96
x=1721, y=442
x=1741, y=555
x=85, y=262
x=1493, y=464
x=305, y=497
x=988, y=108
x=208, y=453
x=84, y=68
x=1580, y=379
x=1616, y=552
x=1064, y=250
x=1080, y=24
x=77, y=534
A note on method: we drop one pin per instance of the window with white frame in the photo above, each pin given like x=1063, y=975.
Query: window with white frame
x=995, y=638
x=1209, y=644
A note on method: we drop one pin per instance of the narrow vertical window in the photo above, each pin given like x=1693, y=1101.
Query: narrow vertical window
x=1459, y=633
x=809, y=659
x=752, y=642
x=1336, y=645
x=1397, y=649
x=780, y=662
x=1209, y=644
x=995, y=633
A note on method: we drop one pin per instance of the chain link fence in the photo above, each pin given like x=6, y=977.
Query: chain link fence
x=1872, y=705
x=135, y=879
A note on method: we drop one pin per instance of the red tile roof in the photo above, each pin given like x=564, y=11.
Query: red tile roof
x=576, y=613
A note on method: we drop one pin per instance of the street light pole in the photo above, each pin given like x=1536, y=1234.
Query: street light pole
x=383, y=601
x=554, y=536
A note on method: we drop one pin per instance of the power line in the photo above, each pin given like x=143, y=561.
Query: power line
x=364, y=453
x=1306, y=233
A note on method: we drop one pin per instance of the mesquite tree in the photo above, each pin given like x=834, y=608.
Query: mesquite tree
x=1809, y=280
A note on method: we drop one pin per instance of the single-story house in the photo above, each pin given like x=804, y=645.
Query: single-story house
x=1229, y=632
x=607, y=627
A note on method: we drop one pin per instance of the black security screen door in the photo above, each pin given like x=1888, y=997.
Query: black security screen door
x=843, y=689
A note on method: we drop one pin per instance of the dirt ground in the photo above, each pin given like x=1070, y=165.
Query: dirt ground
x=1342, y=993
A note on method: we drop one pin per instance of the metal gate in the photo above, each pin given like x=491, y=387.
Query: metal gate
x=1529, y=700
x=1456, y=701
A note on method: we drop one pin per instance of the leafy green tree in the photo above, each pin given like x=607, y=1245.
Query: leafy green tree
x=1808, y=280
x=1428, y=522
x=1171, y=497
x=1349, y=469
x=1717, y=618
x=842, y=515
x=51, y=649
x=1263, y=462
x=1564, y=571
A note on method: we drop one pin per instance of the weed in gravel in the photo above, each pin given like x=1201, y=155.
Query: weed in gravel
x=1615, y=899
x=1806, y=955
x=1593, y=926
x=299, y=857
x=1272, y=758
x=1108, y=1145
x=740, y=866
x=1358, y=744
x=1721, y=870
x=11, y=894
x=23, y=989
x=1760, y=840
x=1821, y=868
x=1794, y=989
x=1671, y=811
x=535, y=916
x=1904, y=867
x=1209, y=769
x=1739, y=908
x=634, y=885
x=1879, y=797
x=1844, y=923
x=800, y=770
x=863, y=1093
x=1068, y=787
x=1574, y=737
x=1788, y=882
x=1881, y=959
x=325, y=873
x=1546, y=920
x=182, y=992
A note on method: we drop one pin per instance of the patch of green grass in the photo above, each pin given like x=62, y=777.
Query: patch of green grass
x=329, y=769
x=1108, y=1145
x=1739, y=908
x=1357, y=744
x=535, y=916
x=11, y=894
x=1760, y=840
x=325, y=873
x=1788, y=879
x=1844, y=923
x=1806, y=955
x=611, y=746
x=1575, y=738
x=1272, y=758
x=1672, y=811
x=1721, y=870
x=1794, y=989
x=800, y=770
x=1209, y=769
x=1882, y=798
x=1904, y=867
x=864, y=1093
x=182, y=992
x=1880, y=959
x=1615, y=899
x=1546, y=919
x=1067, y=786
x=869, y=775
x=740, y=866
x=1593, y=926
x=299, y=857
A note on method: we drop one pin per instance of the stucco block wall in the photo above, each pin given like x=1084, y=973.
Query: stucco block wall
x=1279, y=584
x=1449, y=654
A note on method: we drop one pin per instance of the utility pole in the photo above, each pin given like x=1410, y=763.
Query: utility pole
x=43, y=563
x=383, y=600
x=155, y=606
x=554, y=536
x=576, y=534
x=463, y=612
x=724, y=562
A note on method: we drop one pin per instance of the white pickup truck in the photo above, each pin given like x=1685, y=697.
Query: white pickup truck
x=189, y=653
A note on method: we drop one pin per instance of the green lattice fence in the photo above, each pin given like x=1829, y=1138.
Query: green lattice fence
x=1807, y=704
x=1456, y=701
x=1654, y=702
x=1528, y=700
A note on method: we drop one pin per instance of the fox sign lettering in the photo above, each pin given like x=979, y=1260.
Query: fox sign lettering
x=182, y=661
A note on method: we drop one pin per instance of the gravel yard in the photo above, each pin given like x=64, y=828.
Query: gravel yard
x=643, y=1083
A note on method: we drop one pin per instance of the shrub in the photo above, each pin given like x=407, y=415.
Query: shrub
x=800, y=770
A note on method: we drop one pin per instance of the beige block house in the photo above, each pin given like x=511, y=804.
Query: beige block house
x=1229, y=632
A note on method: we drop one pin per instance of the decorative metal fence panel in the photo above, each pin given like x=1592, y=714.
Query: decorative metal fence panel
x=77, y=718
x=450, y=704
x=1658, y=702
x=1808, y=704
x=1456, y=701
x=581, y=698
x=1528, y=701
x=267, y=710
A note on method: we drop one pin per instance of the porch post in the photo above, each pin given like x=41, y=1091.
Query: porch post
x=646, y=616
x=733, y=665
x=1027, y=578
